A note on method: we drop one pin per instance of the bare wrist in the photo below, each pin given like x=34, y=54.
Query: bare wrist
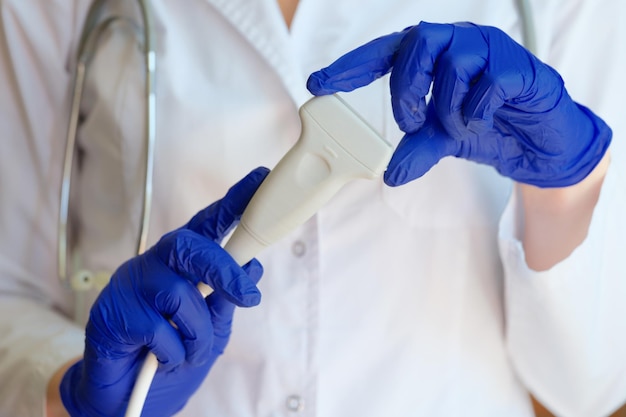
x=555, y=221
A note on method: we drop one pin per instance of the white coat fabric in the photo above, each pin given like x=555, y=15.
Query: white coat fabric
x=411, y=301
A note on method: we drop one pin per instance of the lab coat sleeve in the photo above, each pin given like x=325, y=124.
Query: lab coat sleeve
x=566, y=332
x=35, y=342
x=36, y=337
x=565, y=327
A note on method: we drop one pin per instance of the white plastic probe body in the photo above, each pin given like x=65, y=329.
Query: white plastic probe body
x=335, y=147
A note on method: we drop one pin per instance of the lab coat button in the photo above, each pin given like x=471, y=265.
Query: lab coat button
x=298, y=249
x=294, y=403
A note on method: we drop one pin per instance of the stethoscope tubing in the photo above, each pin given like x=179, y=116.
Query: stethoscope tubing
x=92, y=32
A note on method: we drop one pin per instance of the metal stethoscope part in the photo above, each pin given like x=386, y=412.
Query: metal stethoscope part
x=529, y=32
x=95, y=25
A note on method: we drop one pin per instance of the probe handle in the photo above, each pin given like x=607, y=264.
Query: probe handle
x=335, y=147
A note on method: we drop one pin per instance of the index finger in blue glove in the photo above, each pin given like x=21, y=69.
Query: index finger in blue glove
x=199, y=259
x=411, y=53
x=215, y=221
x=358, y=67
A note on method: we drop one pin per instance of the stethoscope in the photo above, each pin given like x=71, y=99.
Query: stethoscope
x=96, y=24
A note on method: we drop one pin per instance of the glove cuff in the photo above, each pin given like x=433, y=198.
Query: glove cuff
x=590, y=156
x=69, y=384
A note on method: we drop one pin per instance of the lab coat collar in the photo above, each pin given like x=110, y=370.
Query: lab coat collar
x=262, y=24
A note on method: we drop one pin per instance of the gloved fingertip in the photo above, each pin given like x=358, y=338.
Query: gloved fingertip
x=171, y=362
x=166, y=344
x=391, y=179
x=410, y=124
x=242, y=292
x=260, y=171
x=397, y=177
x=318, y=84
x=254, y=269
x=251, y=299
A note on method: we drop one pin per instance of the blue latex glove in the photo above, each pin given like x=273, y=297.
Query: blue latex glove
x=492, y=102
x=131, y=315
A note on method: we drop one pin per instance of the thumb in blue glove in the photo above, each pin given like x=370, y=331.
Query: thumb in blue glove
x=493, y=102
x=132, y=315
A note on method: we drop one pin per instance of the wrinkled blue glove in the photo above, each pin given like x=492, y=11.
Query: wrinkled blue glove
x=493, y=102
x=131, y=315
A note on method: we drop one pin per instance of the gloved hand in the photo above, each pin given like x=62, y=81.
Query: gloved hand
x=492, y=102
x=131, y=315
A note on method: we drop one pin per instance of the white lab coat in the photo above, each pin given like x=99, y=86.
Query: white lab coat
x=412, y=301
